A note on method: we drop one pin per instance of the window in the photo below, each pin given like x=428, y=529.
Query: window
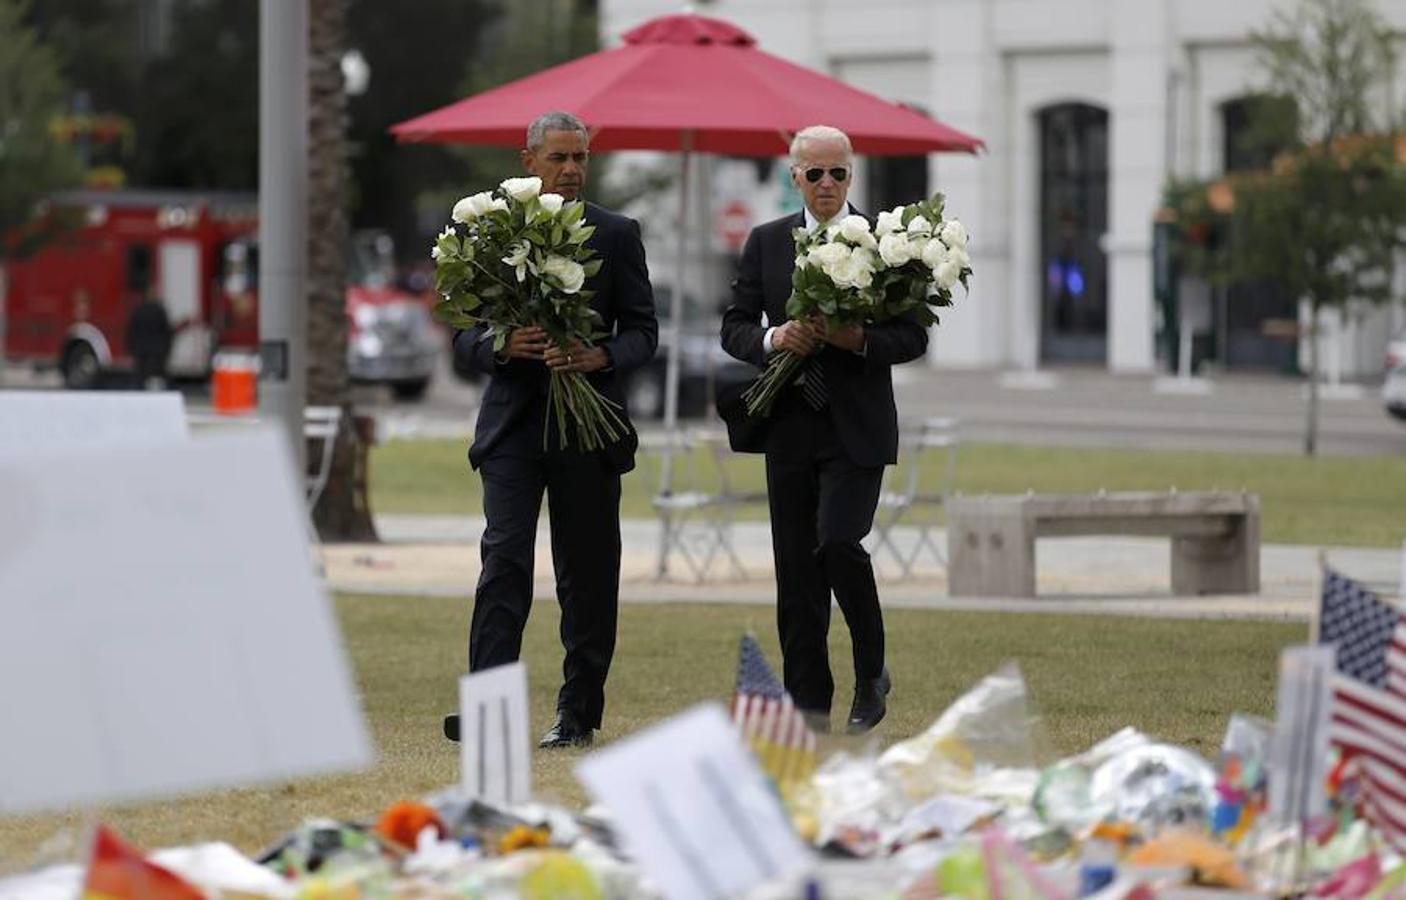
x=1254, y=129
x=139, y=274
x=1073, y=219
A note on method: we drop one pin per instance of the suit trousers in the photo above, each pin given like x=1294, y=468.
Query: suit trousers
x=583, y=507
x=822, y=506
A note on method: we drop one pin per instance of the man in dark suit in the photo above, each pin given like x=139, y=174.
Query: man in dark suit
x=583, y=489
x=827, y=442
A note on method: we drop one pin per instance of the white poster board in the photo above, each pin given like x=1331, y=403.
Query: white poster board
x=36, y=422
x=694, y=809
x=1298, y=754
x=160, y=628
x=495, y=758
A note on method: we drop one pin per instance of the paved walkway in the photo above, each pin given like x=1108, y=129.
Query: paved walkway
x=438, y=556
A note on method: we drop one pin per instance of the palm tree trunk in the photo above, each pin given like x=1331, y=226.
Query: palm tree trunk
x=343, y=512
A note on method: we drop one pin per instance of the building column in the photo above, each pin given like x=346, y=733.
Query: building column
x=966, y=94
x=1141, y=43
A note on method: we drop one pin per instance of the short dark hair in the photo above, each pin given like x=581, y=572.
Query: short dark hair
x=553, y=121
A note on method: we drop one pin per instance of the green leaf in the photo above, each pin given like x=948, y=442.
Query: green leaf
x=592, y=267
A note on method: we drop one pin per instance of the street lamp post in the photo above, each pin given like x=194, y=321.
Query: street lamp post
x=283, y=216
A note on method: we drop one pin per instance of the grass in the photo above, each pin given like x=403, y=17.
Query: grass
x=1335, y=501
x=1178, y=680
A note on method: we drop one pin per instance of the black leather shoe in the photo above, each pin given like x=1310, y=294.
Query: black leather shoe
x=869, y=703
x=567, y=732
x=451, y=727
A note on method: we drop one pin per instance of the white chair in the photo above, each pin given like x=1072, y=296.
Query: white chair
x=320, y=426
x=914, y=493
x=728, y=496
x=677, y=502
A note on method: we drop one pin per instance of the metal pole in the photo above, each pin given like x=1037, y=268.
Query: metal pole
x=283, y=217
x=671, y=372
x=671, y=365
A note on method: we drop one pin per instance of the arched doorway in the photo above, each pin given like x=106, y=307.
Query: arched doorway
x=1073, y=219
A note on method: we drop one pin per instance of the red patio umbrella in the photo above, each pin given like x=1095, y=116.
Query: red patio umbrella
x=687, y=83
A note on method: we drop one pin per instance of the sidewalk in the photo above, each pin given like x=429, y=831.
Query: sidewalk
x=438, y=556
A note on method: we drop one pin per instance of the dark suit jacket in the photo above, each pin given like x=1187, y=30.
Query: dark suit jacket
x=859, y=387
x=625, y=301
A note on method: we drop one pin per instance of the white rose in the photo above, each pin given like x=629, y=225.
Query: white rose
x=470, y=208
x=551, y=202
x=448, y=230
x=852, y=271
x=947, y=274
x=498, y=203
x=522, y=189
x=934, y=254
x=889, y=221
x=566, y=271
x=919, y=225
x=960, y=257
x=517, y=258
x=853, y=228
x=434, y=252
x=827, y=254
x=954, y=233
x=895, y=249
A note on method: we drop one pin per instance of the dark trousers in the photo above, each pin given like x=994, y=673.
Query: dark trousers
x=583, y=503
x=822, y=505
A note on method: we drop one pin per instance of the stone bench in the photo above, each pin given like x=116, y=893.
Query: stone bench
x=1215, y=537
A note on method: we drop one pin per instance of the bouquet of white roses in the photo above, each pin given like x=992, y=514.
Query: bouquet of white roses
x=515, y=257
x=850, y=274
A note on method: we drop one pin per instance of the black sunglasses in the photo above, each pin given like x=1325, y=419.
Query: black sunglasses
x=815, y=173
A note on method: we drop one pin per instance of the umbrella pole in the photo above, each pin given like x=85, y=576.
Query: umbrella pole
x=673, y=361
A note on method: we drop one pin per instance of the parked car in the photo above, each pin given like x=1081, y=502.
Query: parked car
x=1394, y=389
x=704, y=366
x=1394, y=392
x=394, y=340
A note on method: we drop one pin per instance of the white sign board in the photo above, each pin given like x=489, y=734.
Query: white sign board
x=694, y=809
x=160, y=628
x=495, y=757
x=39, y=421
x=1298, y=754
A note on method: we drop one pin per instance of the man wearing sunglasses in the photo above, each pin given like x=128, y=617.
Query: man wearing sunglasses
x=826, y=442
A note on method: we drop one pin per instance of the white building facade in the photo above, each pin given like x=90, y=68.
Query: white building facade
x=1087, y=108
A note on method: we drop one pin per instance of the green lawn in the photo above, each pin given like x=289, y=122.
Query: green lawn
x=1336, y=500
x=1178, y=680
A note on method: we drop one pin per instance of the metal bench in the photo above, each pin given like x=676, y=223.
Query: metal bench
x=1215, y=537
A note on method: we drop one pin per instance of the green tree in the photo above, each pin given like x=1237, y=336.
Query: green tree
x=1328, y=218
x=32, y=163
x=197, y=108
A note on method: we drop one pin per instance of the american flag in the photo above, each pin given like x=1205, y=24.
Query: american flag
x=769, y=721
x=1369, y=696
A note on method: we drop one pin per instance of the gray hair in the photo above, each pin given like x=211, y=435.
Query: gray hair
x=553, y=121
x=819, y=133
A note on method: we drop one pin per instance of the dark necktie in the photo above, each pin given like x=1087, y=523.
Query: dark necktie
x=813, y=388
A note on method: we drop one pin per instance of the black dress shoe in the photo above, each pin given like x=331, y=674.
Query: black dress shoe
x=869, y=703
x=451, y=727
x=567, y=732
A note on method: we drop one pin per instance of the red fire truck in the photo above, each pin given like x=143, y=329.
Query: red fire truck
x=68, y=304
